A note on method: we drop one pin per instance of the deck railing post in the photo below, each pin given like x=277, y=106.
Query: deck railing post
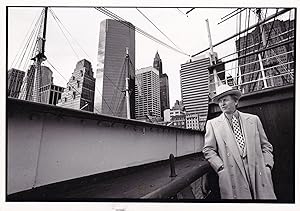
x=172, y=165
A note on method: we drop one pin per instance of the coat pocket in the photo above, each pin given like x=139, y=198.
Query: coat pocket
x=269, y=176
x=224, y=184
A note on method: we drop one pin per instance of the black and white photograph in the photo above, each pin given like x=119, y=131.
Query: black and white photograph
x=149, y=105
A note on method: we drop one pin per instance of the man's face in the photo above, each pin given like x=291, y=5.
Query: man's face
x=227, y=104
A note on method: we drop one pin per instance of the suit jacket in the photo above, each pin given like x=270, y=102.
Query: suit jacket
x=220, y=148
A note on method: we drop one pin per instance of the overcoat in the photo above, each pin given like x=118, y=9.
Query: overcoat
x=220, y=148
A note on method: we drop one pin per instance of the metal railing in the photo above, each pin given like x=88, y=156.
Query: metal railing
x=180, y=186
x=274, y=70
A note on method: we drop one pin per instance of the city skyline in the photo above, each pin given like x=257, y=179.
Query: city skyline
x=183, y=31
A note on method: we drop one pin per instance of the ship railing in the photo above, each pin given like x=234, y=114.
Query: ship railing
x=190, y=185
x=267, y=68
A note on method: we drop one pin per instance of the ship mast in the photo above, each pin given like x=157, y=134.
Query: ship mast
x=38, y=59
x=261, y=27
x=127, y=85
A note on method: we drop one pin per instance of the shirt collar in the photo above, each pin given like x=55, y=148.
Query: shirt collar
x=235, y=113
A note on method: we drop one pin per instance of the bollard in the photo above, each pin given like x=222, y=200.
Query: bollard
x=172, y=165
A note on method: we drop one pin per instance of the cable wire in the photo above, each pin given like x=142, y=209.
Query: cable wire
x=124, y=22
x=57, y=19
x=74, y=87
x=51, y=12
x=35, y=20
x=158, y=29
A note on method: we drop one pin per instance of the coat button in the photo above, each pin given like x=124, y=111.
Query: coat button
x=233, y=187
x=259, y=173
x=228, y=154
x=263, y=185
x=234, y=196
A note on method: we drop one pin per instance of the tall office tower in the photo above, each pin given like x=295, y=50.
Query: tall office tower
x=80, y=90
x=194, y=78
x=164, y=84
x=14, y=82
x=51, y=94
x=157, y=63
x=164, y=92
x=46, y=77
x=114, y=65
x=147, y=94
x=27, y=88
x=277, y=62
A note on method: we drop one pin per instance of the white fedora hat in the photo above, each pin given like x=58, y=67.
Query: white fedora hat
x=224, y=90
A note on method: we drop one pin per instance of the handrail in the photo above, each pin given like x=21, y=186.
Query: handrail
x=178, y=183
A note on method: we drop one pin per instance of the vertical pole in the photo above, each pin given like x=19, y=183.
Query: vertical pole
x=127, y=85
x=172, y=165
x=44, y=30
x=212, y=56
x=39, y=58
x=264, y=41
x=262, y=71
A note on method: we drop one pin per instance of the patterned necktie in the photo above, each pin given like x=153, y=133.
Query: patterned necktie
x=238, y=133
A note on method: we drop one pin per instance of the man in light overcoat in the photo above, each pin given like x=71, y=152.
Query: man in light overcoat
x=237, y=148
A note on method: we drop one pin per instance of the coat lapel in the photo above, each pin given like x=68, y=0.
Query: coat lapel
x=248, y=127
x=229, y=139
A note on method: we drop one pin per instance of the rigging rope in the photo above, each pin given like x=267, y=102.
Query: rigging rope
x=158, y=29
x=29, y=30
x=64, y=35
x=124, y=22
x=70, y=84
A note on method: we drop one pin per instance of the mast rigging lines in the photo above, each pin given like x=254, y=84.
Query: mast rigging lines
x=137, y=29
x=245, y=30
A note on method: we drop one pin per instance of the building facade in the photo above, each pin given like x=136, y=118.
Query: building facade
x=164, y=84
x=51, y=94
x=14, y=82
x=114, y=65
x=157, y=63
x=194, y=78
x=195, y=121
x=80, y=90
x=178, y=115
x=164, y=92
x=147, y=93
x=28, y=86
x=277, y=62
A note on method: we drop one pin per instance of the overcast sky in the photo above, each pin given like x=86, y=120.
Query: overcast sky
x=189, y=33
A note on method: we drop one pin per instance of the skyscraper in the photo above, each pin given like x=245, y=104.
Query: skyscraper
x=80, y=90
x=147, y=94
x=157, y=63
x=164, y=84
x=164, y=92
x=113, y=68
x=194, y=78
x=51, y=94
x=14, y=82
x=28, y=86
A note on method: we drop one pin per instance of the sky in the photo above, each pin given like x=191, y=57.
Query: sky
x=188, y=32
